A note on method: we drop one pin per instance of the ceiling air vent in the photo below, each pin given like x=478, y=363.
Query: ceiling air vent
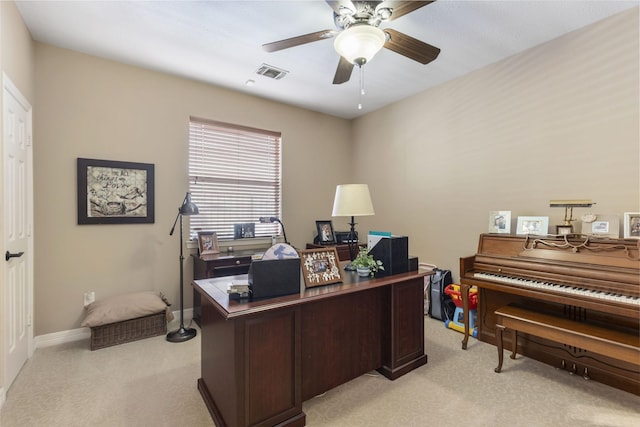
x=271, y=71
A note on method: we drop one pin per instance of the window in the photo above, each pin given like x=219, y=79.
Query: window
x=234, y=177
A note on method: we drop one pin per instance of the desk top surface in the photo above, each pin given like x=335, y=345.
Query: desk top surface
x=215, y=290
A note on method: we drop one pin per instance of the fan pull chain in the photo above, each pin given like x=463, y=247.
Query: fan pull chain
x=361, y=87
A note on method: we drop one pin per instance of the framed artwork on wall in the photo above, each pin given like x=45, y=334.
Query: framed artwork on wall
x=500, y=222
x=114, y=192
x=538, y=225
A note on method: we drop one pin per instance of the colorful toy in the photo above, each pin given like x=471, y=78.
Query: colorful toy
x=457, y=324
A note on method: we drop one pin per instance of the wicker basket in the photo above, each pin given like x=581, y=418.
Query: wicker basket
x=128, y=330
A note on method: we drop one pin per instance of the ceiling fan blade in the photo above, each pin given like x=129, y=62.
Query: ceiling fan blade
x=401, y=8
x=296, y=41
x=410, y=47
x=343, y=73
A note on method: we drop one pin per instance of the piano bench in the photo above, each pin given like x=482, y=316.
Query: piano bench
x=607, y=342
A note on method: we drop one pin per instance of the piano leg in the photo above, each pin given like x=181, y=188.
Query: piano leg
x=464, y=291
x=514, y=343
x=499, y=330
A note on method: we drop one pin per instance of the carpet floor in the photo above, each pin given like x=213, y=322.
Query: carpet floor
x=153, y=383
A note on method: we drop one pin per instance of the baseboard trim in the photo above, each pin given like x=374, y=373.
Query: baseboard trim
x=78, y=334
x=61, y=337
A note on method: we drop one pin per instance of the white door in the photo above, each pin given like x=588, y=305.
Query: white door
x=17, y=303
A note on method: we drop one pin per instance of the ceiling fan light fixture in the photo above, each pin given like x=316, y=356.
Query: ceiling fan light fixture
x=358, y=44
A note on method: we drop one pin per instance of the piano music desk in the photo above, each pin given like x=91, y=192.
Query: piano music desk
x=616, y=344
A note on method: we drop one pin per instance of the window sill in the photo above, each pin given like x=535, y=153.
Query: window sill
x=254, y=243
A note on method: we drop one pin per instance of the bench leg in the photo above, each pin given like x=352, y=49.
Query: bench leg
x=514, y=343
x=499, y=330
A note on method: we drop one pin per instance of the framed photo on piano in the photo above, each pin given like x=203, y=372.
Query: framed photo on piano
x=632, y=225
x=538, y=225
x=603, y=226
x=500, y=222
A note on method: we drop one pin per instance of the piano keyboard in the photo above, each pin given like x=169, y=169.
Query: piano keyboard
x=528, y=283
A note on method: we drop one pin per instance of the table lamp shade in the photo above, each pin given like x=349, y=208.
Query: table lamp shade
x=352, y=200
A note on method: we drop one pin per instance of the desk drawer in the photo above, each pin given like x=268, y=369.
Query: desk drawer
x=228, y=267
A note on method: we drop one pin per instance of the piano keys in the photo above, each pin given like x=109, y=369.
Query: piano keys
x=560, y=288
x=582, y=278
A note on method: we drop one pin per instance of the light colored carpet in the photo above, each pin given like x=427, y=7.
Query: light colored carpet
x=153, y=383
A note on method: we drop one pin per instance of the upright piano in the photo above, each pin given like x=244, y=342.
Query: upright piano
x=578, y=277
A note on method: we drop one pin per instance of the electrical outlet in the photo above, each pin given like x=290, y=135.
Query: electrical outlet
x=89, y=297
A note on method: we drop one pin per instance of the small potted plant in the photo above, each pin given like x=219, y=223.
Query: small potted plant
x=365, y=264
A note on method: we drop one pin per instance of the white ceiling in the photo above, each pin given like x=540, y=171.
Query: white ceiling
x=219, y=42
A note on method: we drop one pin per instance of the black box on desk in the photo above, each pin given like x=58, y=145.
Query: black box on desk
x=413, y=263
x=274, y=277
x=393, y=252
x=344, y=237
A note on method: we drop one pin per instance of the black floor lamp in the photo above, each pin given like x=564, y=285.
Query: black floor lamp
x=182, y=334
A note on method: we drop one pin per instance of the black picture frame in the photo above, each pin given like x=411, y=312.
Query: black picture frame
x=115, y=192
x=244, y=230
x=326, y=236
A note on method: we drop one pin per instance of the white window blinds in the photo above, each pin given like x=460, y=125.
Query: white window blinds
x=234, y=177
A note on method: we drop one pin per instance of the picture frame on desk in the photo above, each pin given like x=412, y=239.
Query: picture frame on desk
x=320, y=267
x=632, y=225
x=326, y=236
x=208, y=243
x=244, y=230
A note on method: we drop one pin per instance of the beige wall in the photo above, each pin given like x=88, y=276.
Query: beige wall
x=559, y=121
x=92, y=108
x=16, y=49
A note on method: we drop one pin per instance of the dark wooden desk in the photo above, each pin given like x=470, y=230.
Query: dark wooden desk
x=219, y=265
x=262, y=359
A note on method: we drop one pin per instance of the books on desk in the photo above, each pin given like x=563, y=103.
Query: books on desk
x=238, y=289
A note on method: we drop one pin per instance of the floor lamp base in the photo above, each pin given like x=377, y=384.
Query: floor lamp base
x=181, y=334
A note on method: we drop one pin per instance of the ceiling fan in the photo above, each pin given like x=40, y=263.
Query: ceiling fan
x=358, y=37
